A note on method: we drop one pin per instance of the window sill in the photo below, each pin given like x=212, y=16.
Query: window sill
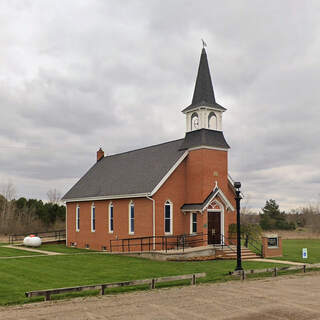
x=111, y=232
x=78, y=230
x=93, y=230
x=131, y=233
x=168, y=233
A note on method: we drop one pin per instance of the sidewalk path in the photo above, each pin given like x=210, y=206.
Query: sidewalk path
x=49, y=253
x=280, y=261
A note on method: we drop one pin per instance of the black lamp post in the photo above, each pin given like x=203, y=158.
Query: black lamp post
x=237, y=186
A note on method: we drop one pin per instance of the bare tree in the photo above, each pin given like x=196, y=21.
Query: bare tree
x=8, y=191
x=54, y=196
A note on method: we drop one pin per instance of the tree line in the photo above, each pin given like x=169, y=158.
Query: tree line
x=30, y=215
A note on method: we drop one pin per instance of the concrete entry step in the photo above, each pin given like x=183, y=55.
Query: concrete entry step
x=230, y=253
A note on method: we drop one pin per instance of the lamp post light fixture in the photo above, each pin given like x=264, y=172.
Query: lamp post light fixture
x=237, y=186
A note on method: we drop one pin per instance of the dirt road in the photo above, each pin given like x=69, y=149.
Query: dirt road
x=290, y=297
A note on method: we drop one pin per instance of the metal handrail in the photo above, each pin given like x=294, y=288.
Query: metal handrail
x=56, y=234
x=256, y=245
x=177, y=242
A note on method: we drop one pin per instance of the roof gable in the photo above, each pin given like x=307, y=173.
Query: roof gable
x=204, y=205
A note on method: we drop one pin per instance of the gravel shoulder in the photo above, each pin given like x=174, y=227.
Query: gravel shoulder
x=286, y=297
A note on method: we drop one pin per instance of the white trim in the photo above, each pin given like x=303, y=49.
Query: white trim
x=230, y=180
x=221, y=210
x=77, y=217
x=153, y=222
x=66, y=226
x=203, y=107
x=119, y=196
x=109, y=215
x=168, y=202
x=164, y=179
x=95, y=216
x=131, y=203
x=223, y=198
x=207, y=147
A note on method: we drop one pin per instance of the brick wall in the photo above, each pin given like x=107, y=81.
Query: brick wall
x=269, y=252
x=191, y=182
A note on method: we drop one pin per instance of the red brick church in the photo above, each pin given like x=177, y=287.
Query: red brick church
x=166, y=192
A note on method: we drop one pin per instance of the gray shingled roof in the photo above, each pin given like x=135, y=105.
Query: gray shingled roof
x=203, y=92
x=199, y=206
x=137, y=171
x=204, y=137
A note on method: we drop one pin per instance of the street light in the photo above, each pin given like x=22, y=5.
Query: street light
x=237, y=186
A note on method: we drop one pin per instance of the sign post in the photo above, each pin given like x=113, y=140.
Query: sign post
x=304, y=253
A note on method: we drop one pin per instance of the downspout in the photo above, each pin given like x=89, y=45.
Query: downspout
x=66, y=225
x=153, y=222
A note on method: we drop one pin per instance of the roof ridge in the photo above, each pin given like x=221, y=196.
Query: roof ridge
x=143, y=148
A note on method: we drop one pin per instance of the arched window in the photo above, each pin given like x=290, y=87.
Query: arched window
x=110, y=217
x=194, y=121
x=93, y=218
x=168, y=217
x=131, y=217
x=212, y=121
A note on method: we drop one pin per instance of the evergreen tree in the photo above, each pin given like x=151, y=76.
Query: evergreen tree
x=272, y=218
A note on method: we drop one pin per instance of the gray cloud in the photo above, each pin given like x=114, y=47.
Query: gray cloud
x=84, y=74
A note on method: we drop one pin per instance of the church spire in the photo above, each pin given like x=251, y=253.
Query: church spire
x=203, y=91
x=204, y=112
x=203, y=95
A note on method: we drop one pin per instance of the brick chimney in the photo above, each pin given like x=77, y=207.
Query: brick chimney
x=100, y=154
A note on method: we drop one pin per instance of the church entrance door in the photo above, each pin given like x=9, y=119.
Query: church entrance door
x=214, y=227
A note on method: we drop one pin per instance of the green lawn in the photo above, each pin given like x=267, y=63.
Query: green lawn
x=9, y=252
x=26, y=274
x=292, y=250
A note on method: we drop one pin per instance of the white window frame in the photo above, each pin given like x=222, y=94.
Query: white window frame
x=109, y=220
x=191, y=223
x=131, y=204
x=77, y=218
x=93, y=210
x=168, y=202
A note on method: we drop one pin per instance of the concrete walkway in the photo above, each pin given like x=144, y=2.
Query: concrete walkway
x=280, y=261
x=49, y=253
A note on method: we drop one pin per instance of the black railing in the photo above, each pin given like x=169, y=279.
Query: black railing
x=55, y=235
x=163, y=243
x=254, y=245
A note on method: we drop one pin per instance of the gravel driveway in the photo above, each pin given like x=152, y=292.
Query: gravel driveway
x=286, y=297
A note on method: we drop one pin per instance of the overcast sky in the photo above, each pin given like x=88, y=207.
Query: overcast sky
x=77, y=75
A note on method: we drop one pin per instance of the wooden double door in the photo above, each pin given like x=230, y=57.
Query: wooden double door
x=214, y=228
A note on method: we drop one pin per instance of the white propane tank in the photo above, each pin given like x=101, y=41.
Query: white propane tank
x=32, y=241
